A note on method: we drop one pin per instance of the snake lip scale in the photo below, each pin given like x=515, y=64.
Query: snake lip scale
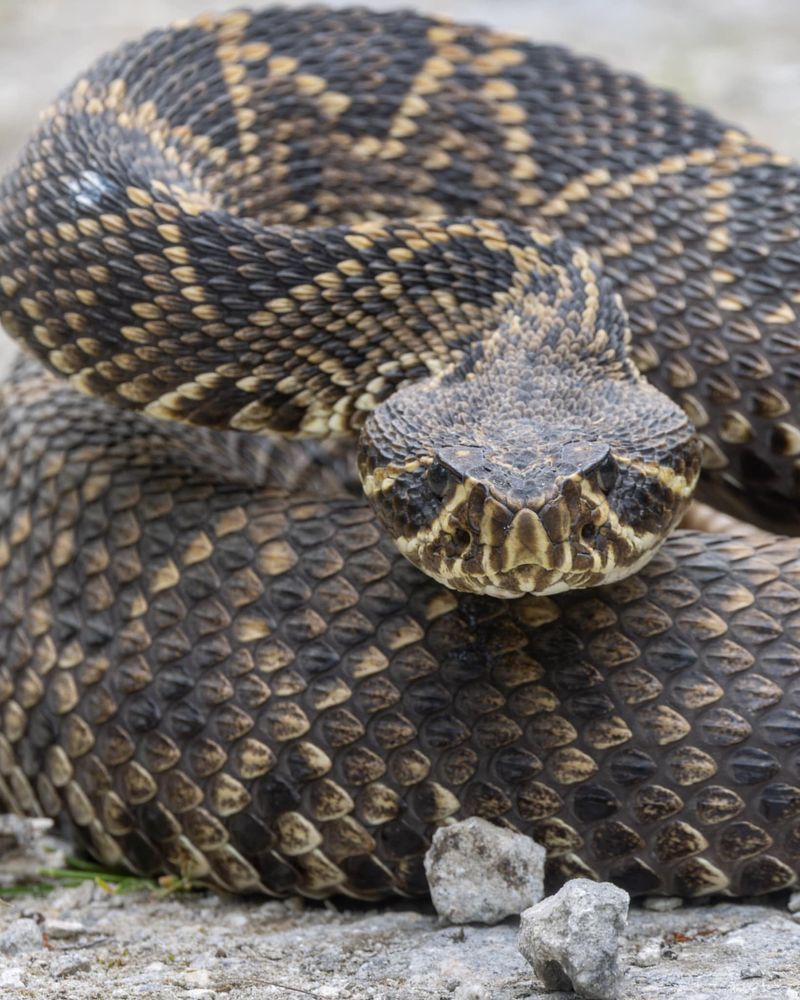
x=548, y=300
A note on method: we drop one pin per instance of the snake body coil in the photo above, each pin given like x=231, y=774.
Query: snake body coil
x=213, y=659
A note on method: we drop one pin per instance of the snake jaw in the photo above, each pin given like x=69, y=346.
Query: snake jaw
x=585, y=531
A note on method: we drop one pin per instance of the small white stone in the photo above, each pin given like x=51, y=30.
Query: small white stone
x=22, y=936
x=203, y=960
x=471, y=991
x=649, y=953
x=661, y=904
x=11, y=976
x=59, y=930
x=69, y=964
x=572, y=939
x=75, y=898
x=23, y=829
x=481, y=873
x=751, y=972
x=794, y=902
x=199, y=978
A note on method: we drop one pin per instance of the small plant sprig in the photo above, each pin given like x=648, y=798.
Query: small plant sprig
x=78, y=870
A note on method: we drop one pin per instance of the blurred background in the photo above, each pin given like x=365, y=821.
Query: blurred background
x=740, y=58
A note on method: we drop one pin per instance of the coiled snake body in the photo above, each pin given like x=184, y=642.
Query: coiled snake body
x=213, y=658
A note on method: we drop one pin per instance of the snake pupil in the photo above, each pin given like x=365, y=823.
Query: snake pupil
x=438, y=479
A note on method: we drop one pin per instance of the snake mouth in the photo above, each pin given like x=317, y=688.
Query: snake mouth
x=508, y=555
x=573, y=540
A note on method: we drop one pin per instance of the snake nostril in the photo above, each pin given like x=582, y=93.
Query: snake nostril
x=456, y=544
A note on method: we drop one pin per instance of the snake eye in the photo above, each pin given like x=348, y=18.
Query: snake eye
x=438, y=479
x=607, y=472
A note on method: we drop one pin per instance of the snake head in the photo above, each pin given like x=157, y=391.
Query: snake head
x=547, y=480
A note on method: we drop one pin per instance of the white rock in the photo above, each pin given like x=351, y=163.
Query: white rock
x=649, y=953
x=794, y=902
x=11, y=976
x=572, y=939
x=661, y=904
x=196, y=978
x=23, y=829
x=481, y=873
x=471, y=991
x=203, y=960
x=63, y=929
x=22, y=936
x=74, y=898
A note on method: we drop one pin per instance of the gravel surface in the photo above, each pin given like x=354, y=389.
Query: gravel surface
x=202, y=946
x=739, y=57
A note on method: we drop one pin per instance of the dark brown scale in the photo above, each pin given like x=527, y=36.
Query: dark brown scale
x=275, y=700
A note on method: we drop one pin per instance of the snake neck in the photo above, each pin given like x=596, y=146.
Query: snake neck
x=159, y=300
x=128, y=266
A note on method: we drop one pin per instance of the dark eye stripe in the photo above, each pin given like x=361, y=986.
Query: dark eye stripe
x=438, y=479
x=607, y=472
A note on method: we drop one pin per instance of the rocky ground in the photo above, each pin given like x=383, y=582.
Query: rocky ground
x=200, y=947
x=739, y=57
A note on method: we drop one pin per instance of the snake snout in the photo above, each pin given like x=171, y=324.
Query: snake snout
x=527, y=542
x=560, y=536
